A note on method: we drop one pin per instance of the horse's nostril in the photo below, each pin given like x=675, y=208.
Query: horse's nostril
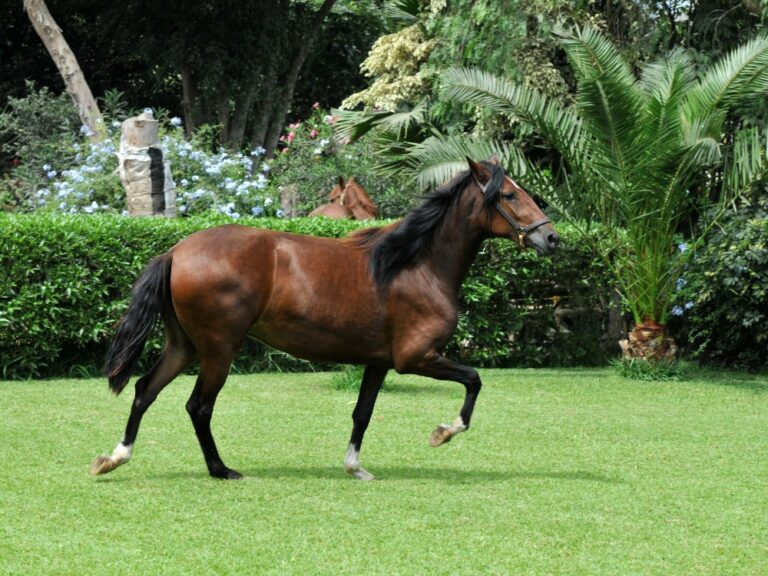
x=553, y=239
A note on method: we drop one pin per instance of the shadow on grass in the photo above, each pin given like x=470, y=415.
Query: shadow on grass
x=386, y=473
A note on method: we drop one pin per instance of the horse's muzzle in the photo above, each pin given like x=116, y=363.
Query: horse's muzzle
x=545, y=242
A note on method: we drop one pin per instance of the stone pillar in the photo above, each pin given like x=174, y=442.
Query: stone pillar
x=145, y=175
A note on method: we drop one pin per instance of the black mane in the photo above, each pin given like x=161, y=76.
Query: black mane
x=405, y=244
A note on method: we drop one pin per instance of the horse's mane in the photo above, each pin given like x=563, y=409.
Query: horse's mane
x=404, y=243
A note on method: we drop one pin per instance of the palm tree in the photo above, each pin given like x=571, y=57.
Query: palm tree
x=638, y=154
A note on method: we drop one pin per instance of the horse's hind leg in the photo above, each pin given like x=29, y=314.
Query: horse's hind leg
x=177, y=355
x=369, y=390
x=214, y=368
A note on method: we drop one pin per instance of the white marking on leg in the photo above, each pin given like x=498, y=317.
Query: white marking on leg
x=352, y=464
x=122, y=453
x=458, y=425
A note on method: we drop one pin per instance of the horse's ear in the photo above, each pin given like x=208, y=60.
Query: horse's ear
x=480, y=172
x=494, y=159
x=341, y=182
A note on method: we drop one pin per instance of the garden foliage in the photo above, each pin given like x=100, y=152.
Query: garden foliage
x=722, y=299
x=65, y=282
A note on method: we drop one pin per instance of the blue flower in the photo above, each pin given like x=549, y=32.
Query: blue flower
x=280, y=213
x=46, y=167
x=51, y=174
x=677, y=311
x=257, y=210
x=175, y=121
x=680, y=283
x=682, y=246
x=688, y=305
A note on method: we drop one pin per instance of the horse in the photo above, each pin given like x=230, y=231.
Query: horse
x=401, y=282
x=347, y=200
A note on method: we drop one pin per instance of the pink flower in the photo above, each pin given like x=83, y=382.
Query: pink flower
x=294, y=126
x=316, y=105
x=291, y=136
x=313, y=133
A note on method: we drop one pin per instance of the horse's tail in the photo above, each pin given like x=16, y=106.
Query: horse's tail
x=150, y=293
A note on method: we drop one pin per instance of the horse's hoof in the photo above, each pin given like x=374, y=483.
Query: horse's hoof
x=441, y=435
x=227, y=474
x=101, y=465
x=360, y=474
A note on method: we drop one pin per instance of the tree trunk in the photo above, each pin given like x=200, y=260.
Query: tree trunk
x=70, y=71
x=263, y=112
x=289, y=85
x=189, y=98
x=649, y=341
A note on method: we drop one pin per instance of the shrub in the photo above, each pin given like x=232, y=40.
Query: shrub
x=66, y=278
x=38, y=130
x=60, y=170
x=522, y=310
x=721, y=308
x=311, y=158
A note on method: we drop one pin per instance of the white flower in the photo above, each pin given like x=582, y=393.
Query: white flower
x=175, y=121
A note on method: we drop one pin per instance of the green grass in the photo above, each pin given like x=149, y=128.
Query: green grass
x=563, y=472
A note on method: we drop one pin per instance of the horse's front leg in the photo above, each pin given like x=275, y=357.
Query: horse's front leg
x=435, y=365
x=373, y=377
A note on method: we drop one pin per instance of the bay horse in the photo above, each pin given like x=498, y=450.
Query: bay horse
x=347, y=200
x=219, y=286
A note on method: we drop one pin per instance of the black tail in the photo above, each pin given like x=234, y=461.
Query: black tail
x=149, y=294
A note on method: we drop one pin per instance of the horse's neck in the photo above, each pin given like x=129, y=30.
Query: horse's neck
x=455, y=246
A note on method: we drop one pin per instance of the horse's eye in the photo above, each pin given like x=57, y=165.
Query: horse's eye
x=509, y=196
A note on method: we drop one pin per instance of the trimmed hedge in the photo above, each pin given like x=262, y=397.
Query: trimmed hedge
x=64, y=282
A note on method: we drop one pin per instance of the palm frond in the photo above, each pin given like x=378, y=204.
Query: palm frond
x=746, y=162
x=741, y=74
x=354, y=124
x=436, y=160
x=561, y=126
x=608, y=97
x=405, y=12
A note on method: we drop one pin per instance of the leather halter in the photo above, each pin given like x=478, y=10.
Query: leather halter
x=522, y=231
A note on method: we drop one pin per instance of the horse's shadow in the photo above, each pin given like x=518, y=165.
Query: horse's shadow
x=439, y=474
x=399, y=473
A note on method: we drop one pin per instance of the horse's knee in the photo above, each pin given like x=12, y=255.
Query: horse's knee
x=473, y=382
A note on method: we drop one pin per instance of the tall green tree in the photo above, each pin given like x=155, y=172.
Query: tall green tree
x=637, y=153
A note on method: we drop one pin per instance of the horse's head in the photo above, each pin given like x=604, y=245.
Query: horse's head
x=356, y=199
x=509, y=211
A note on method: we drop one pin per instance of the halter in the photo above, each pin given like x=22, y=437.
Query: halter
x=522, y=231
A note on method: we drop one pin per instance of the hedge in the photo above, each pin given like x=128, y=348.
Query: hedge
x=65, y=281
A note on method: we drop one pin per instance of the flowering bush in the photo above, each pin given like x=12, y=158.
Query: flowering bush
x=232, y=183
x=58, y=169
x=88, y=181
x=722, y=299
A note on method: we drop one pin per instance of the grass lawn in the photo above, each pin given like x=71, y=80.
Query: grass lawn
x=563, y=472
